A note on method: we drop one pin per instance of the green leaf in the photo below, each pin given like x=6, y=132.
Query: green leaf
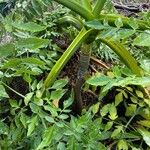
x=30, y=26
x=113, y=112
x=99, y=80
x=131, y=109
x=145, y=123
x=47, y=138
x=13, y=103
x=13, y=63
x=139, y=94
x=3, y=92
x=119, y=23
x=142, y=40
x=59, y=84
x=95, y=108
x=105, y=110
x=32, y=43
x=49, y=119
x=3, y=128
x=7, y=50
x=146, y=135
x=33, y=123
x=63, y=116
x=122, y=145
x=56, y=95
x=109, y=125
x=117, y=131
x=118, y=98
x=28, y=97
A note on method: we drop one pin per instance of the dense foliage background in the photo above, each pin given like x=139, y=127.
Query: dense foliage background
x=116, y=101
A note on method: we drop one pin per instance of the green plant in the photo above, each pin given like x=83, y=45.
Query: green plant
x=94, y=23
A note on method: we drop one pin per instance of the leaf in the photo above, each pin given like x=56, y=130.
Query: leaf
x=56, y=95
x=95, y=24
x=13, y=103
x=117, y=131
x=139, y=94
x=118, y=98
x=33, y=123
x=67, y=103
x=95, y=108
x=145, y=123
x=32, y=43
x=3, y=128
x=3, y=92
x=63, y=116
x=49, y=119
x=122, y=145
x=28, y=98
x=30, y=26
x=59, y=84
x=146, y=135
x=109, y=125
x=142, y=40
x=113, y=112
x=47, y=138
x=131, y=109
x=7, y=50
x=118, y=23
x=99, y=80
x=105, y=110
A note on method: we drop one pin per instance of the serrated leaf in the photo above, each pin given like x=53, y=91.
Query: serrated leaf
x=99, y=80
x=117, y=131
x=131, y=109
x=142, y=40
x=113, y=112
x=7, y=50
x=122, y=145
x=33, y=123
x=105, y=110
x=47, y=138
x=3, y=92
x=118, y=98
x=146, y=135
x=28, y=97
x=56, y=95
x=32, y=43
x=29, y=26
x=59, y=84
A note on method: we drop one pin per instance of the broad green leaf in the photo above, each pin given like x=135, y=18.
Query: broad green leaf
x=113, y=112
x=139, y=94
x=95, y=24
x=59, y=84
x=146, y=135
x=13, y=63
x=117, y=131
x=3, y=128
x=49, y=119
x=56, y=95
x=118, y=98
x=99, y=80
x=7, y=50
x=142, y=40
x=32, y=125
x=29, y=26
x=14, y=103
x=28, y=97
x=95, y=108
x=47, y=138
x=24, y=119
x=122, y=145
x=3, y=92
x=63, y=116
x=131, y=109
x=109, y=125
x=105, y=110
x=32, y=43
x=145, y=123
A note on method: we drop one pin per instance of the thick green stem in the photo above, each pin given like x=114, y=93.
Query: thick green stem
x=111, y=18
x=76, y=7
